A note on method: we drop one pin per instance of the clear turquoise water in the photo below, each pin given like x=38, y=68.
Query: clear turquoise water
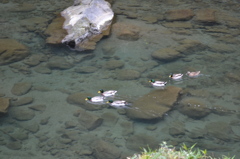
x=219, y=86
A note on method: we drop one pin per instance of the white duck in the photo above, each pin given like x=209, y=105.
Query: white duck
x=107, y=93
x=157, y=83
x=95, y=99
x=118, y=103
x=176, y=76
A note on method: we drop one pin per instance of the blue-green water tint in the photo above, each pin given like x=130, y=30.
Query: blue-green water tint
x=62, y=134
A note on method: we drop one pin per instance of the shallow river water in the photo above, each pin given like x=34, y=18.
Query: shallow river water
x=48, y=116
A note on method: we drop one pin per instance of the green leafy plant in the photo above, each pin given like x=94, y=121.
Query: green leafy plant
x=168, y=152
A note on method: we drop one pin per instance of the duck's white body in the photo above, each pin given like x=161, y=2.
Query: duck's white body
x=159, y=83
x=108, y=93
x=176, y=76
x=118, y=103
x=95, y=99
x=193, y=74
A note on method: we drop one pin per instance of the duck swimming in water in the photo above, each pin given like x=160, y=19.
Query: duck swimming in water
x=193, y=74
x=95, y=99
x=118, y=103
x=157, y=83
x=107, y=93
x=176, y=76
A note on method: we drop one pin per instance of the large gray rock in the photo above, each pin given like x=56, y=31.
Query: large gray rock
x=85, y=20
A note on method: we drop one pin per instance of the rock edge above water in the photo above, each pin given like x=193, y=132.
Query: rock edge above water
x=86, y=22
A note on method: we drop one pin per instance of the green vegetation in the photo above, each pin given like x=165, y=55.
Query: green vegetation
x=169, y=152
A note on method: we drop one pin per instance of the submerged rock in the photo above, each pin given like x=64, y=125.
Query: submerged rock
x=14, y=145
x=138, y=141
x=54, y=32
x=114, y=64
x=220, y=130
x=70, y=124
x=31, y=127
x=24, y=7
x=86, y=22
x=184, y=14
x=154, y=104
x=22, y=101
x=128, y=74
x=38, y=107
x=189, y=46
x=34, y=59
x=4, y=104
x=19, y=134
x=21, y=88
x=127, y=128
x=44, y=121
x=57, y=62
x=127, y=31
x=109, y=119
x=24, y=69
x=103, y=150
x=86, y=69
x=108, y=50
x=89, y=120
x=166, y=54
x=177, y=129
x=22, y=114
x=206, y=16
x=194, y=107
x=43, y=69
x=12, y=51
x=228, y=19
x=221, y=48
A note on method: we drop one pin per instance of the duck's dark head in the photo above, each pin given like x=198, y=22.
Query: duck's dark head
x=110, y=101
x=88, y=98
x=152, y=80
x=101, y=91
